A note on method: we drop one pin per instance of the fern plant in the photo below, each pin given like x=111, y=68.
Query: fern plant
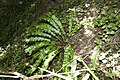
x=48, y=41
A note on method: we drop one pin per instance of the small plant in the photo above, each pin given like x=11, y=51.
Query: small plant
x=48, y=41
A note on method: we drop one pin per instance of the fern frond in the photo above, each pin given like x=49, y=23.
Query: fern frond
x=50, y=21
x=34, y=57
x=41, y=56
x=46, y=28
x=50, y=57
x=31, y=70
x=32, y=48
x=34, y=66
x=53, y=20
x=39, y=33
x=35, y=39
x=49, y=27
x=42, y=52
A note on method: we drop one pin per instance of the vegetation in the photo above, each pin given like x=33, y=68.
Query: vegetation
x=71, y=40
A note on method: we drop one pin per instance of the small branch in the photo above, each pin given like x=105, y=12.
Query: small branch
x=27, y=78
x=117, y=12
x=55, y=74
x=96, y=78
x=19, y=75
x=74, y=71
x=39, y=76
x=9, y=76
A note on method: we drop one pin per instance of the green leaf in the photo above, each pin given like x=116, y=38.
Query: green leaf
x=35, y=39
x=43, y=26
x=49, y=59
x=53, y=20
x=32, y=48
x=68, y=56
x=110, y=32
x=95, y=55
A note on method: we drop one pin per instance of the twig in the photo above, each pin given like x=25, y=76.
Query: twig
x=75, y=71
x=9, y=76
x=39, y=76
x=96, y=78
x=55, y=74
x=19, y=75
x=117, y=12
x=27, y=78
